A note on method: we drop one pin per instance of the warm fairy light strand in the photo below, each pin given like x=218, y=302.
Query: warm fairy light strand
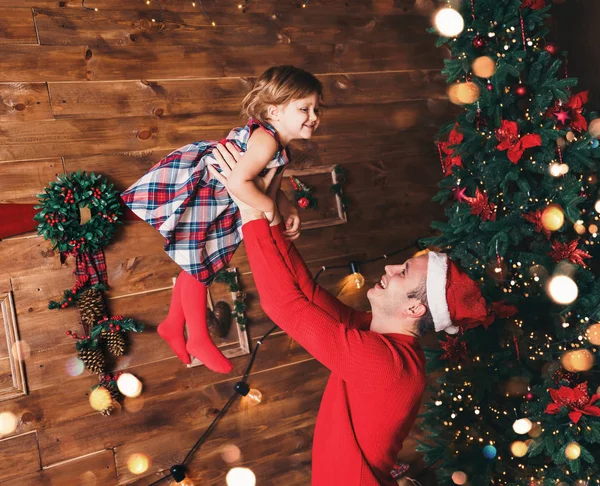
x=240, y=6
x=87, y=8
x=212, y=22
x=225, y=408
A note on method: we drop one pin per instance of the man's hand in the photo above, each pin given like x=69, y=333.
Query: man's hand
x=228, y=156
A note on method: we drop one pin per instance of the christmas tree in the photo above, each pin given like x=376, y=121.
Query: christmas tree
x=517, y=401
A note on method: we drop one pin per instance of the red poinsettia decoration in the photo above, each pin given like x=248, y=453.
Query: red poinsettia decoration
x=536, y=220
x=569, y=251
x=576, y=399
x=571, y=110
x=508, y=135
x=451, y=160
x=576, y=103
x=481, y=206
x=459, y=193
x=533, y=4
x=455, y=350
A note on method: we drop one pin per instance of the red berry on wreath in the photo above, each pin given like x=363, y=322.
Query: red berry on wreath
x=68, y=333
x=303, y=202
x=118, y=328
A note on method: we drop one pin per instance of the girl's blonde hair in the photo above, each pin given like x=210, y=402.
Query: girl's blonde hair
x=279, y=85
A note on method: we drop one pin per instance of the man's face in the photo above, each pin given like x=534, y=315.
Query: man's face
x=390, y=294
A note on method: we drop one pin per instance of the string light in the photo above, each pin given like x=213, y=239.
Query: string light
x=87, y=8
x=364, y=262
x=208, y=17
x=357, y=277
x=240, y=388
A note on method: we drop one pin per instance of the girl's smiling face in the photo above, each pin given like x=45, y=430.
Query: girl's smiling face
x=297, y=119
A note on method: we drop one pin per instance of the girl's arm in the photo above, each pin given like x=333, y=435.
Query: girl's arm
x=262, y=147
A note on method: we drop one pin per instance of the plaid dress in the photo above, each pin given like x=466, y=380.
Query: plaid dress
x=190, y=208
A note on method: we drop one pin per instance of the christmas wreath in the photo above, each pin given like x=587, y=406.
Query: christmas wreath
x=78, y=213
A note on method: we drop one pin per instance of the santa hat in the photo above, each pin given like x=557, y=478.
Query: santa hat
x=454, y=299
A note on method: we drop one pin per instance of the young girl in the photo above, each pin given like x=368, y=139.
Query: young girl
x=195, y=213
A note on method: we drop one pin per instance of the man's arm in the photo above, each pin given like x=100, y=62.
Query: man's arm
x=362, y=357
x=313, y=292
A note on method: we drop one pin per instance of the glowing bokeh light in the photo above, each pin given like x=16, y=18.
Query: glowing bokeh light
x=129, y=385
x=562, y=289
x=8, y=423
x=522, y=426
x=100, y=399
x=138, y=463
x=449, y=22
x=231, y=453
x=240, y=476
x=518, y=448
x=74, y=366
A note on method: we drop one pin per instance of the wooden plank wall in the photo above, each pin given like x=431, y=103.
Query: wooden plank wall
x=573, y=28
x=113, y=91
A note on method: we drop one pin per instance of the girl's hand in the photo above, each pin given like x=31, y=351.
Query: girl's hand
x=292, y=226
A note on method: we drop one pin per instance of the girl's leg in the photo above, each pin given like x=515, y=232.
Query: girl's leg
x=171, y=329
x=199, y=343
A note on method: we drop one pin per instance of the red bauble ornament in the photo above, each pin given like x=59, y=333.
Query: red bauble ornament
x=521, y=90
x=551, y=48
x=529, y=396
x=303, y=202
x=490, y=87
x=479, y=42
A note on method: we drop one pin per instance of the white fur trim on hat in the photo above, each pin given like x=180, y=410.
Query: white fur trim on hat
x=437, y=274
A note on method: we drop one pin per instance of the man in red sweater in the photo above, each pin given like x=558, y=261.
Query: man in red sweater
x=377, y=367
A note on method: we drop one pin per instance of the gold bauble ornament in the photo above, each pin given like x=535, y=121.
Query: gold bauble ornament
x=573, y=451
x=594, y=128
x=577, y=360
x=468, y=93
x=593, y=334
x=459, y=477
x=518, y=448
x=484, y=67
x=553, y=217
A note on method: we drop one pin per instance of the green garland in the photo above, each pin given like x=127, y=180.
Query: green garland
x=70, y=296
x=59, y=218
x=116, y=323
x=239, y=304
x=303, y=194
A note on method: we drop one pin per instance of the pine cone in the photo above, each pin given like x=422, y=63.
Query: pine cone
x=223, y=317
x=93, y=359
x=114, y=393
x=115, y=342
x=212, y=323
x=91, y=306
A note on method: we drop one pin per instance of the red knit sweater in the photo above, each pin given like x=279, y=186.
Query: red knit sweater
x=373, y=394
